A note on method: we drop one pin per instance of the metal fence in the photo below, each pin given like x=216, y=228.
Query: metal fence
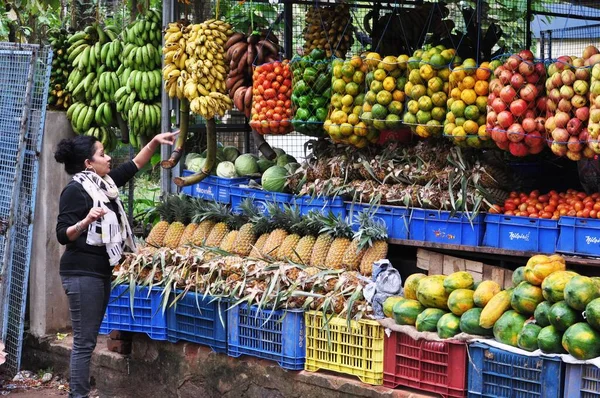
x=24, y=81
x=568, y=41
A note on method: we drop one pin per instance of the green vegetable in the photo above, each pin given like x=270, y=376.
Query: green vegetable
x=302, y=114
x=274, y=179
x=226, y=170
x=301, y=88
x=246, y=165
x=318, y=102
x=304, y=101
x=317, y=54
x=321, y=114
x=310, y=74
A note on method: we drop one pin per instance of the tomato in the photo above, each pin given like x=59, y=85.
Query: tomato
x=588, y=205
x=593, y=214
x=523, y=207
x=555, y=217
x=578, y=206
x=571, y=213
x=283, y=89
x=543, y=198
x=266, y=84
x=534, y=215
x=275, y=86
x=509, y=213
x=546, y=215
x=534, y=193
x=539, y=206
x=563, y=212
x=549, y=208
x=510, y=206
x=270, y=93
x=517, y=201
x=531, y=209
x=261, y=90
x=271, y=104
x=596, y=206
x=495, y=209
x=596, y=195
x=579, y=214
x=581, y=195
x=586, y=213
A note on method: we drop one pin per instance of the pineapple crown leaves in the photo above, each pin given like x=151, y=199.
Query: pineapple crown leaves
x=164, y=209
x=214, y=211
x=370, y=229
x=336, y=226
x=181, y=205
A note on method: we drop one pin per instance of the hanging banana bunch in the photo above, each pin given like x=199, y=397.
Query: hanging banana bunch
x=59, y=98
x=176, y=36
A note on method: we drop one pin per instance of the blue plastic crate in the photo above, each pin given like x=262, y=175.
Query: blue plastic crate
x=259, y=197
x=325, y=205
x=582, y=381
x=196, y=319
x=213, y=188
x=276, y=335
x=579, y=236
x=396, y=219
x=494, y=372
x=441, y=226
x=521, y=233
x=147, y=314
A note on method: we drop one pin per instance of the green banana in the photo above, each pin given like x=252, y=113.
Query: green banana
x=76, y=36
x=89, y=117
x=99, y=114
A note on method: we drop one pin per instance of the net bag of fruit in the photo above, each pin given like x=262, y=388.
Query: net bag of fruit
x=568, y=112
x=427, y=90
x=271, y=98
x=383, y=105
x=343, y=123
x=517, y=104
x=594, y=122
x=311, y=93
x=467, y=104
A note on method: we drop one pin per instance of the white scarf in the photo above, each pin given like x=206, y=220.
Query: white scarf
x=107, y=230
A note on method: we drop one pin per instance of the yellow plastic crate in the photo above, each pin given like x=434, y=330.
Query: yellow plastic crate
x=357, y=350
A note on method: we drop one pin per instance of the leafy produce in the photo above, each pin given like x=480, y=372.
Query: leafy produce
x=274, y=178
x=271, y=101
x=328, y=28
x=246, y=165
x=226, y=170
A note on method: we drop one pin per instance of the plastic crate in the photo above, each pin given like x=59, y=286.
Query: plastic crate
x=582, y=381
x=435, y=366
x=276, y=335
x=494, y=372
x=325, y=205
x=213, y=188
x=395, y=218
x=356, y=351
x=147, y=314
x=259, y=197
x=441, y=226
x=579, y=236
x=196, y=319
x=520, y=233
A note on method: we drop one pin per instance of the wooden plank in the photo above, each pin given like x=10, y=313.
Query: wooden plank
x=507, y=278
x=423, y=259
x=498, y=275
x=436, y=264
x=474, y=266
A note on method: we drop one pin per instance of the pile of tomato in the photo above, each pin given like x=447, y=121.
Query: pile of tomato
x=271, y=98
x=551, y=205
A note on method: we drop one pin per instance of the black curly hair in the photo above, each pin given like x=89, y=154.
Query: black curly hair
x=73, y=152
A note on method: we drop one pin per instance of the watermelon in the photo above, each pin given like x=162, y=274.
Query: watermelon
x=428, y=319
x=410, y=285
x=528, y=337
x=484, y=293
x=448, y=326
x=582, y=341
x=592, y=313
x=554, y=285
x=274, y=179
x=525, y=298
x=508, y=327
x=406, y=311
x=460, y=300
x=579, y=291
x=431, y=292
x=388, y=305
x=550, y=341
x=518, y=276
x=561, y=316
x=458, y=280
x=469, y=323
x=541, y=313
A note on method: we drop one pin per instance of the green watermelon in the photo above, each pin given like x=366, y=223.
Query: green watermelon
x=541, y=313
x=469, y=323
x=592, y=313
x=528, y=337
x=427, y=320
x=406, y=311
x=561, y=316
x=582, y=341
x=579, y=291
x=508, y=327
x=525, y=298
x=448, y=326
x=518, y=276
x=550, y=341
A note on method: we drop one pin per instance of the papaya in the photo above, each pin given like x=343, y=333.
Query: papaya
x=540, y=266
x=458, y=280
x=460, y=300
x=561, y=316
x=508, y=327
x=554, y=285
x=388, y=305
x=469, y=323
x=431, y=292
x=448, y=326
x=525, y=298
x=592, y=313
x=406, y=311
x=528, y=337
x=411, y=284
x=484, y=293
x=518, y=276
x=550, y=341
x=582, y=341
x=579, y=291
x=494, y=309
x=541, y=313
x=428, y=319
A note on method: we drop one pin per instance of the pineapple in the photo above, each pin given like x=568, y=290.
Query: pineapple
x=195, y=206
x=219, y=213
x=322, y=243
x=280, y=223
x=296, y=230
x=234, y=222
x=373, y=235
x=158, y=232
x=256, y=251
x=341, y=231
x=310, y=228
x=180, y=207
x=248, y=232
x=201, y=233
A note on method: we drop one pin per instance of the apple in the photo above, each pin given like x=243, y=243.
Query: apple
x=578, y=62
x=561, y=119
x=518, y=107
x=556, y=80
x=581, y=87
x=595, y=87
x=595, y=115
x=534, y=150
x=499, y=70
x=589, y=51
x=567, y=77
x=491, y=118
x=550, y=124
x=541, y=104
x=499, y=136
x=574, y=156
x=594, y=59
x=540, y=123
x=534, y=139
x=594, y=131
x=512, y=63
x=564, y=61
x=540, y=69
x=578, y=101
x=533, y=78
x=508, y=94
x=526, y=68
x=518, y=149
x=560, y=135
x=584, y=136
x=567, y=92
x=583, y=113
x=495, y=86
x=526, y=55
x=574, y=145
x=505, y=76
x=517, y=81
x=529, y=92
x=588, y=152
x=503, y=144
x=594, y=145
x=554, y=95
x=559, y=149
x=574, y=126
x=529, y=125
x=582, y=73
x=505, y=119
x=491, y=98
x=564, y=105
x=551, y=106
x=515, y=132
x=548, y=85
x=498, y=105
x=552, y=69
x=597, y=101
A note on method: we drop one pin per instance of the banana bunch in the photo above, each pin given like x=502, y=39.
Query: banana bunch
x=83, y=116
x=110, y=54
x=146, y=84
x=85, y=51
x=145, y=30
x=108, y=84
x=141, y=57
x=59, y=97
x=176, y=36
x=242, y=52
x=329, y=28
x=143, y=118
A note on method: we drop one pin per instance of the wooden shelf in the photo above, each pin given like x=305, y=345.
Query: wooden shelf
x=575, y=260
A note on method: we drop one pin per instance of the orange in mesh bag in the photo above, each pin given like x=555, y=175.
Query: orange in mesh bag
x=271, y=103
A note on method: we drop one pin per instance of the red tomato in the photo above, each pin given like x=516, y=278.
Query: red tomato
x=593, y=214
x=509, y=213
x=510, y=206
x=543, y=198
x=534, y=215
x=586, y=213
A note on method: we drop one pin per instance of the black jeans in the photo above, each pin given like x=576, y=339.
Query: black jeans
x=88, y=297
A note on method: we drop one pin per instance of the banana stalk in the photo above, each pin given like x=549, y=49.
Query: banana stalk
x=263, y=146
x=184, y=114
x=124, y=128
x=211, y=157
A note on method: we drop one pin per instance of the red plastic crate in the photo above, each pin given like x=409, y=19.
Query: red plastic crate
x=435, y=366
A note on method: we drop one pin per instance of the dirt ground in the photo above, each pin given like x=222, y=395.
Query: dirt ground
x=39, y=393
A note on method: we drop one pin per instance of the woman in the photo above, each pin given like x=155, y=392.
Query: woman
x=93, y=225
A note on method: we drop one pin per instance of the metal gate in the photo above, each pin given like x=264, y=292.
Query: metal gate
x=24, y=79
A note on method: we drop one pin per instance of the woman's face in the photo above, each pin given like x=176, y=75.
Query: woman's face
x=100, y=162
